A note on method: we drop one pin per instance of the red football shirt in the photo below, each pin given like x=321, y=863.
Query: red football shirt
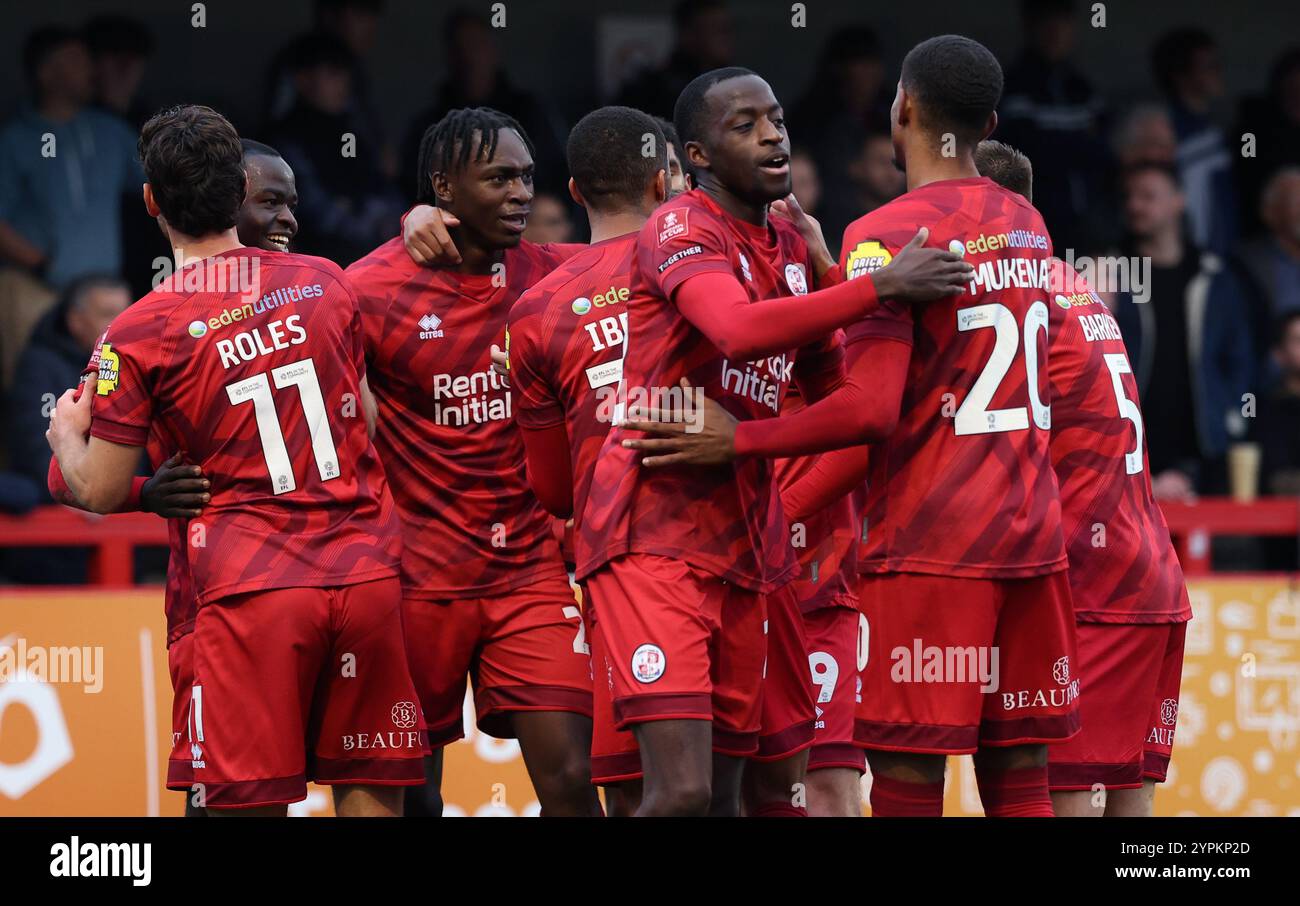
x=262, y=391
x=565, y=347
x=964, y=486
x=728, y=519
x=825, y=543
x=1123, y=568
x=472, y=526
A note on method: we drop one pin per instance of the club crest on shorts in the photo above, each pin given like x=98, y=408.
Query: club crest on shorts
x=1061, y=671
x=404, y=715
x=795, y=279
x=648, y=663
x=1169, y=712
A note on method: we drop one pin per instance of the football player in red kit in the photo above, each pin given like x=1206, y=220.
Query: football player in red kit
x=963, y=559
x=1130, y=601
x=296, y=557
x=677, y=562
x=485, y=590
x=565, y=360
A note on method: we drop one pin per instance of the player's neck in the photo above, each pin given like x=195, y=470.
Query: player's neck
x=188, y=249
x=611, y=226
x=475, y=258
x=923, y=169
x=731, y=203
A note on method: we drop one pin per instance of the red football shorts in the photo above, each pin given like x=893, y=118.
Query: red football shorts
x=180, y=664
x=1131, y=674
x=836, y=653
x=680, y=643
x=787, y=714
x=955, y=664
x=523, y=650
x=614, y=753
x=292, y=684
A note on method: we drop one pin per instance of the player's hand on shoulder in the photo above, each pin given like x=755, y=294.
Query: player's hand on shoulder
x=427, y=237
x=177, y=490
x=701, y=433
x=811, y=231
x=920, y=274
x=501, y=364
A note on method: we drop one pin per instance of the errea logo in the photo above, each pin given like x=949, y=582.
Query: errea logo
x=430, y=327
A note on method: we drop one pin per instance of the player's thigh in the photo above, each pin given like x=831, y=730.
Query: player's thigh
x=442, y=639
x=787, y=712
x=365, y=715
x=1161, y=724
x=1037, y=697
x=929, y=649
x=1118, y=668
x=534, y=656
x=836, y=639
x=651, y=614
x=256, y=658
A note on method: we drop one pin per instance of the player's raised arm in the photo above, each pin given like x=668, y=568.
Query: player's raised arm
x=718, y=306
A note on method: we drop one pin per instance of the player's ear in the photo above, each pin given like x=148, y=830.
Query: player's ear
x=990, y=125
x=575, y=194
x=149, y=204
x=442, y=188
x=698, y=157
x=661, y=186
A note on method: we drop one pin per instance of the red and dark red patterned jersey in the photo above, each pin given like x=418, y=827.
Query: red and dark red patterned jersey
x=1123, y=568
x=726, y=519
x=446, y=430
x=260, y=386
x=964, y=486
x=826, y=542
x=565, y=347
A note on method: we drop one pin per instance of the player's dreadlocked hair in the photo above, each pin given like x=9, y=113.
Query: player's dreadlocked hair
x=956, y=82
x=449, y=143
x=690, y=113
x=1006, y=166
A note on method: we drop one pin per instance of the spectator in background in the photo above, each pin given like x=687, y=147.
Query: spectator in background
x=1052, y=113
x=703, y=39
x=347, y=206
x=1189, y=342
x=873, y=179
x=475, y=79
x=548, y=220
x=1274, y=121
x=1190, y=75
x=1276, y=427
x=847, y=101
x=1270, y=264
x=805, y=183
x=355, y=23
x=63, y=169
x=1146, y=136
x=58, y=350
x=120, y=49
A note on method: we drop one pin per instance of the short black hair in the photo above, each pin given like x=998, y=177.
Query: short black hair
x=119, y=36
x=448, y=144
x=42, y=44
x=670, y=133
x=1006, y=166
x=255, y=149
x=956, y=82
x=1173, y=53
x=194, y=163
x=690, y=112
x=608, y=159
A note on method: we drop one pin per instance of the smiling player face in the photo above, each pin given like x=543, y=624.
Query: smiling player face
x=266, y=219
x=491, y=198
x=748, y=150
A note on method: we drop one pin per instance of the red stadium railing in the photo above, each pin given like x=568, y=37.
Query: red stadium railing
x=113, y=539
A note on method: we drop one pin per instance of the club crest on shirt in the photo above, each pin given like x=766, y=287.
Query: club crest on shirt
x=867, y=256
x=796, y=280
x=671, y=224
x=109, y=371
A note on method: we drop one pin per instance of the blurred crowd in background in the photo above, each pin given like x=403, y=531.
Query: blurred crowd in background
x=1202, y=178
